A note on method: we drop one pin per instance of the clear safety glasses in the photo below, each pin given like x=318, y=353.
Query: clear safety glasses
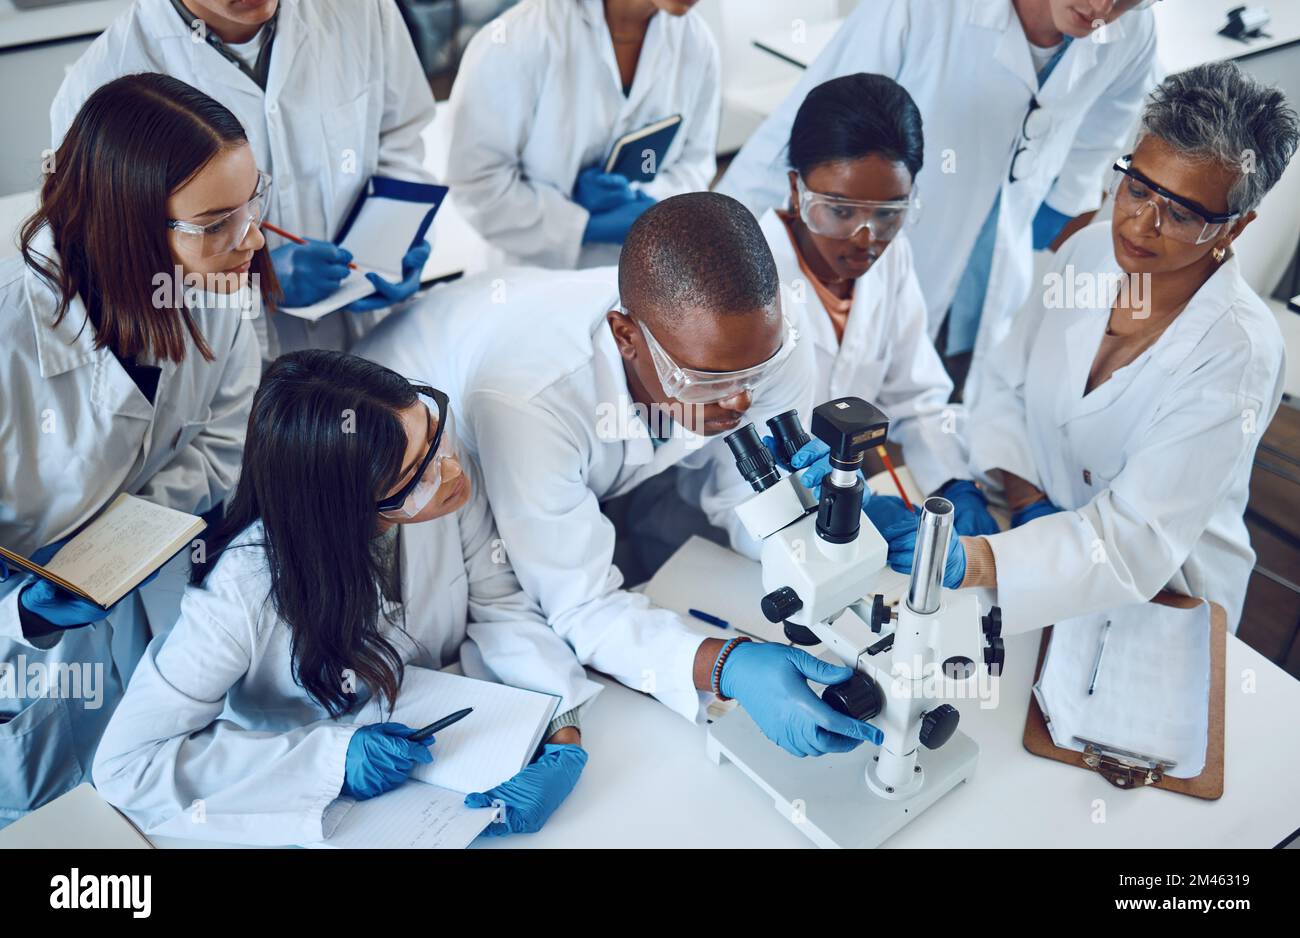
x=1174, y=216
x=694, y=386
x=416, y=494
x=833, y=217
x=229, y=231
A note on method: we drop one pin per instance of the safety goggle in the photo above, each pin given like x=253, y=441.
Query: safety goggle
x=1174, y=216
x=695, y=386
x=833, y=217
x=416, y=494
x=229, y=231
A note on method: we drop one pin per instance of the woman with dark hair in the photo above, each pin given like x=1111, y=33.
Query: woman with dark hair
x=847, y=278
x=129, y=364
x=1125, y=407
x=357, y=549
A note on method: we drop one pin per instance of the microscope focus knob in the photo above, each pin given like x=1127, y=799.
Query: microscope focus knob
x=781, y=604
x=994, y=656
x=938, y=725
x=858, y=697
x=993, y=623
x=881, y=614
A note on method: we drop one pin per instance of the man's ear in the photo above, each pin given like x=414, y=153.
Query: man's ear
x=625, y=332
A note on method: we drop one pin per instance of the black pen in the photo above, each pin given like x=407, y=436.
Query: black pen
x=425, y=732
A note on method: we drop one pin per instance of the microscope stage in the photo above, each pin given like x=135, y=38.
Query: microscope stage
x=827, y=797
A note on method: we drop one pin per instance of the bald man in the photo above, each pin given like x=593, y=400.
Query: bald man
x=572, y=389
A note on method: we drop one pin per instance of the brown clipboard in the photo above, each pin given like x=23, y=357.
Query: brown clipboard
x=1209, y=784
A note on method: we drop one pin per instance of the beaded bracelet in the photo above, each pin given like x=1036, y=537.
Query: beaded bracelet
x=715, y=681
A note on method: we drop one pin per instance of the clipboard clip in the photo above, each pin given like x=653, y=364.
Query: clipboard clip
x=1122, y=767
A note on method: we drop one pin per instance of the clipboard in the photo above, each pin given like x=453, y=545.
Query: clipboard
x=1131, y=773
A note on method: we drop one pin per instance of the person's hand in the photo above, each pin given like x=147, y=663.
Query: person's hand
x=380, y=757
x=771, y=683
x=1035, y=510
x=612, y=226
x=901, y=537
x=970, y=508
x=387, y=293
x=884, y=511
x=309, y=272
x=56, y=605
x=599, y=192
x=531, y=797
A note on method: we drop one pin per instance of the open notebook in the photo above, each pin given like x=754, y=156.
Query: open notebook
x=390, y=217
x=1153, y=685
x=116, y=551
x=486, y=748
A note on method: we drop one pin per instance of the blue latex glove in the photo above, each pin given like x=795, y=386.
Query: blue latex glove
x=1048, y=223
x=901, y=536
x=884, y=511
x=532, y=796
x=309, y=272
x=971, y=508
x=771, y=683
x=612, y=226
x=1036, y=510
x=388, y=293
x=380, y=757
x=600, y=192
x=56, y=605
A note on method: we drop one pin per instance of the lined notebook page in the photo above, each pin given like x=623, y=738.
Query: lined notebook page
x=1153, y=688
x=413, y=816
x=122, y=546
x=482, y=750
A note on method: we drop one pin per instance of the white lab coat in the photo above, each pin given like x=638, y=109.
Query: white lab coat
x=75, y=432
x=213, y=713
x=345, y=99
x=1153, y=467
x=529, y=360
x=967, y=65
x=886, y=356
x=538, y=98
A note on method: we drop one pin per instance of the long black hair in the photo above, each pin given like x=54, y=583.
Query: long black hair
x=324, y=443
x=854, y=116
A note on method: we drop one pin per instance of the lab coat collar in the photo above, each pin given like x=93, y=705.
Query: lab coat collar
x=1013, y=49
x=1206, y=307
x=630, y=428
x=290, y=34
x=649, y=65
x=70, y=344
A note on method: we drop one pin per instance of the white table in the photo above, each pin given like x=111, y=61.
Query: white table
x=800, y=46
x=1187, y=31
x=649, y=784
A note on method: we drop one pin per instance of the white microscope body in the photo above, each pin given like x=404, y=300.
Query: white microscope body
x=818, y=570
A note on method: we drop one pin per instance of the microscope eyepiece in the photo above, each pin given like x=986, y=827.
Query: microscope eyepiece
x=753, y=459
x=789, y=435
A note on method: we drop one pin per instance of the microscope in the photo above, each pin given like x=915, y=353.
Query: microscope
x=822, y=563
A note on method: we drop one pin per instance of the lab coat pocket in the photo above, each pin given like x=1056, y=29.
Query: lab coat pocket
x=350, y=157
x=189, y=430
x=38, y=757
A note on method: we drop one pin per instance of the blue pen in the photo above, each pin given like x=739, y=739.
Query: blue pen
x=712, y=620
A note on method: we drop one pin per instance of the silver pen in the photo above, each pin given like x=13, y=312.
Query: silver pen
x=1101, y=647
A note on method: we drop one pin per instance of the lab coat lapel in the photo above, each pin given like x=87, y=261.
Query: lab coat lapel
x=1081, y=339
x=290, y=34
x=650, y=64
x=1012, y=51
x=855, y=347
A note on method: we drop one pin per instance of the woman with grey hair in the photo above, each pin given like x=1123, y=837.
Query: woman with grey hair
x=1125, y=406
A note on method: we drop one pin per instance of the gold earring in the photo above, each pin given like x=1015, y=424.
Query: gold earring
x=1219, y=254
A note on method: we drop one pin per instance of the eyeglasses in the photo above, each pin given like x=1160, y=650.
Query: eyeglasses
x=416, y=494
x=229, y=231
x=695, y=386
x=1035, y=125
x=834, y=217
x=1175, y=216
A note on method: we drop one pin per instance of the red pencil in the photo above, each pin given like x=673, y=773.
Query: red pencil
x=889, y=465
x=292, y=237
